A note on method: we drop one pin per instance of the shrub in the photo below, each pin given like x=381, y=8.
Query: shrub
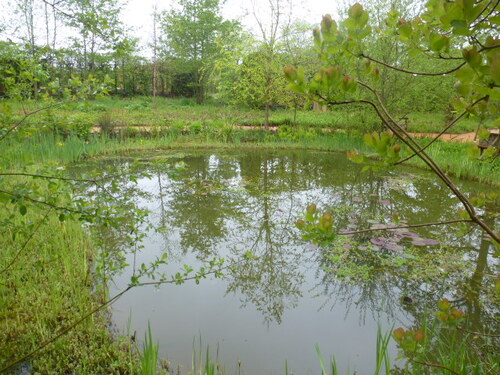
x=106, y=124
x=81, y=125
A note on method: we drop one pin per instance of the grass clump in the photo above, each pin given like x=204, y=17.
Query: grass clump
x=107, y=124
x=149, y=355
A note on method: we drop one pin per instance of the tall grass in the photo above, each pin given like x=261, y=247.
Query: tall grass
x=144, y=111
x=452, y=157
x=149, y=355
x=208, y=366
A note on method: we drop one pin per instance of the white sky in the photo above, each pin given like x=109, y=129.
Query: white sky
x=137, y=13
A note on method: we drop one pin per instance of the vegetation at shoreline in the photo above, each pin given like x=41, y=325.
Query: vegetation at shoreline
x=74, y=84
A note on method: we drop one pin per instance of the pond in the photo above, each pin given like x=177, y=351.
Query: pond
x=282, y=294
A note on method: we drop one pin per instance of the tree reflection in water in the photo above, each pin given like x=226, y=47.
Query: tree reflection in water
x=229, y=204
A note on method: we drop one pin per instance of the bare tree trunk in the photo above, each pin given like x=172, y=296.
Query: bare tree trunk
x=155, y=50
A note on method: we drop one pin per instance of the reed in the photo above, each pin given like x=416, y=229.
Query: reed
x=149, y=355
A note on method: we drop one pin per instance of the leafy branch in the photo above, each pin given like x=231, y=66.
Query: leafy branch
x=25, y=244
x=332, y=85
x=429, y=74
x=26, y=116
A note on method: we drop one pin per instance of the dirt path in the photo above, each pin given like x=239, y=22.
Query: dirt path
x=463, y=137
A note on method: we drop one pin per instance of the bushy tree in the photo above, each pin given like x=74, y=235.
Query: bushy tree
x=189, y=39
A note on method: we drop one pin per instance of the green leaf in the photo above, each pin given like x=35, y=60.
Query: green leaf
x=460, y=27
x=495, y=20
x=405, y=30
x=472, y=56
x=439, y=42
x=495, y=68
x=465, y=74
x=23, y=210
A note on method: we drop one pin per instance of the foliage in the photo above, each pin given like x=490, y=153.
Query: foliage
x=189, y=38
x=385, y=149
x=443, y=345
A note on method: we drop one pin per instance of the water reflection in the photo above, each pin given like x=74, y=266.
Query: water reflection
x=232, y=204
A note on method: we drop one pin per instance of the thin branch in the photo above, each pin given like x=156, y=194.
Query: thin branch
x=89, y=180
x=64, y=331
x=26, y=116
x=485, y=17
x=442, y=132
x=33, y=200
x=32, y=234
x=436, y=365
x=411, y=72
x=406, y=138
x=409, y=226
x=477, y=333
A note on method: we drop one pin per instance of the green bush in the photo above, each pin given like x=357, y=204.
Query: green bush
x=81, y=125
x=195, y=127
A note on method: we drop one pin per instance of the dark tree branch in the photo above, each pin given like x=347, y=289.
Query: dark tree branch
x=436, y=365
x=404, y=136
x=407, y=139
x=411, y=72
x=442, y=132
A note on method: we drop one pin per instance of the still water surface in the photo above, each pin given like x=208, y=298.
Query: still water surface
x=277, y=306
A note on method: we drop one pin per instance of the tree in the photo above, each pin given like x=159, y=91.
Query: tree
x=270, y=33
x=189, y=37
x=462, y=31
x=99, y=27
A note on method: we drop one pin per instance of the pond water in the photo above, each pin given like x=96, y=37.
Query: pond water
x=291, y=295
